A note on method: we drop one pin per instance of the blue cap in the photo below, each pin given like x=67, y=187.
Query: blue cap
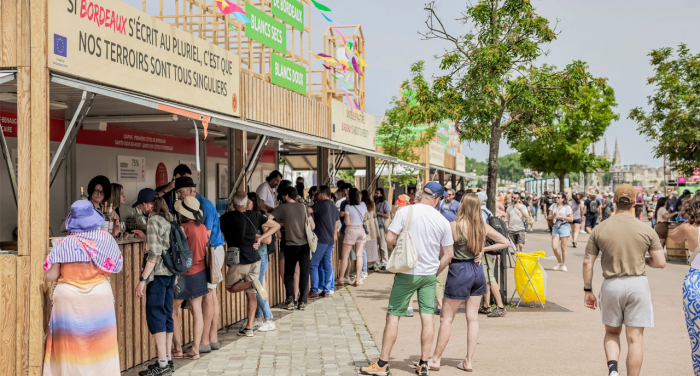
x=434, y=189
x=145, y=195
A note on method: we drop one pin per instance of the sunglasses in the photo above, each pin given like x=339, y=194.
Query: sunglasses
x=101, y=193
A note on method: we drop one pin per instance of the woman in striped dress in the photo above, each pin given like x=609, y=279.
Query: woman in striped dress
x=82, y=338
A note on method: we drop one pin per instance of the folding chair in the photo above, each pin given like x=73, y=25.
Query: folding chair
x=529, y=281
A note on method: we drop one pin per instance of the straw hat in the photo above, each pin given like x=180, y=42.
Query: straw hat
x=189, y=208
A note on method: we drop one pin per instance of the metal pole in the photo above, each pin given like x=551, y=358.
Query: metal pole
x=68, y=139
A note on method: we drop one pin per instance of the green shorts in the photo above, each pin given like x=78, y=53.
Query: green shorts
x=489, y=265
x=404, y=287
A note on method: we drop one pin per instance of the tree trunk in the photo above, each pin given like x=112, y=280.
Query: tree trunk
x=562, y=177
x=492, y=183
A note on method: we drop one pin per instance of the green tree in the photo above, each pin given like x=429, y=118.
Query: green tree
x=487, y=88
x=673, y=122
x=401, y=133
x=510, y=168
x=584, y=114
x=472, y=165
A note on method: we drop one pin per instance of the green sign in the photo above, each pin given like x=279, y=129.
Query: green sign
x=265, y=29
x=289, y=11
x=288, y=74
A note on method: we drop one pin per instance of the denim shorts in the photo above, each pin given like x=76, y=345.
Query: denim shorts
x=465, y=279
x=190, y=287
x=563, y=231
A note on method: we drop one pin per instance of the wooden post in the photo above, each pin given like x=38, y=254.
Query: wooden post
x=322, y=156
x=237, y=150
x=441, y=177
x=371, y=174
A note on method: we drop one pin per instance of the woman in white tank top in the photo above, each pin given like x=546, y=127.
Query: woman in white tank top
x=690, y=231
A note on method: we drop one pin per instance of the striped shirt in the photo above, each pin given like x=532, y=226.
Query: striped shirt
x=95, y=245
x=157, y=241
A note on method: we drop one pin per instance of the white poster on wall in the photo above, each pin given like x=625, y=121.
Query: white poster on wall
x=131, y=169
x=460, y=162
x=193, y=166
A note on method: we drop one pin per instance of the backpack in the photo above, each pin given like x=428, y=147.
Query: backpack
x=178, y=257
x=497, y=225
x=593, y=207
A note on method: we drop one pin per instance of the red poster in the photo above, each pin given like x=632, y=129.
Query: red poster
x=161, y=175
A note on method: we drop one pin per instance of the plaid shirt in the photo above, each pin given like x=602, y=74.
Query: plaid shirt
x=158, y=241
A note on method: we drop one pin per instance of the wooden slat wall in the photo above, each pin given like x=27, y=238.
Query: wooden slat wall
x=274, y=105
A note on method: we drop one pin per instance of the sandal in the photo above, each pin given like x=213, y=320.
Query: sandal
x=461, y=366
x=191, y=356
x=415, y=365
x=179, y=355
x=484, y=310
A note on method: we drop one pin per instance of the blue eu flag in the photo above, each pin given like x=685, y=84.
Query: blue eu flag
x=60, y=45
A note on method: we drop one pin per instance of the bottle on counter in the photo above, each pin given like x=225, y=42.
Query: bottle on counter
x=83, y=196
x=110, y=218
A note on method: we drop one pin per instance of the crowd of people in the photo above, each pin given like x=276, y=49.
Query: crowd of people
x=457, y=240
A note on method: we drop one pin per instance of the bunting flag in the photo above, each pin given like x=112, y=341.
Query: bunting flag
x=356, y=67
x=320, y=6
x=328, y=19
x=241, y=17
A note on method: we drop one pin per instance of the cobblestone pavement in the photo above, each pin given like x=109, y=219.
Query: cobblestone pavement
x=328, y=338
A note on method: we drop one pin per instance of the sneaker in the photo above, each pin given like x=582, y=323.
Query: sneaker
x=259, y=288
x=563, y=268
x=498, y=312
x=155, y=364
x=157, y=371
x=556, y=268
x=215, y=345
x=375, y=369
x=302, y=306
x=257, y=324
x=268, y=326
x=313, y=295
x=383, y=267
x=375, y=267
x=614, y=373
x=436, y=309
x=484, y=310
x=409, y=312
x=422, y=370
x=364, y=275
x=347, y=281
x=289, y=306
x=246, y=332
x=582, y=232
x=574, y=244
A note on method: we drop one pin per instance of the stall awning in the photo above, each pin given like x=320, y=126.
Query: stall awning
x=216, y=118
x=465, y=175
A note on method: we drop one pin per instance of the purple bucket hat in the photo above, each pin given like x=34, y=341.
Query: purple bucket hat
x=83, y=217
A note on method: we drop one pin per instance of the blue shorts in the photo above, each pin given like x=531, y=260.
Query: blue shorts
x=465, y=279
x=563, y=231
x=193, y=286
x=159, y=304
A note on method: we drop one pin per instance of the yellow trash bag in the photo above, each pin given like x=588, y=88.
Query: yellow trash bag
x=538, y=276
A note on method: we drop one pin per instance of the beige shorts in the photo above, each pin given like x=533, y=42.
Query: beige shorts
x=220, y=254
x=489, y=265
x=243, y=272
x=354, y=235
x=626, y=300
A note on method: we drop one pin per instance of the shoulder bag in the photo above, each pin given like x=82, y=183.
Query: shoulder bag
x=233, y=254
x=361, y=219
x=404, y=256
x=311, y=237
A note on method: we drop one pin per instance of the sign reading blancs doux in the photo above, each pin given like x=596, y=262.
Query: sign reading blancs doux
x=289, y=11
x=112, y=42
x=288, y=74
x=265, y=29
x=352, y=128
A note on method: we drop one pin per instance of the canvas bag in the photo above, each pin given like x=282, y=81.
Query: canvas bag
x=404, y=256
x=311, y=237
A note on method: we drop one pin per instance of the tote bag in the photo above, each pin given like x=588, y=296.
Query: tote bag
x=311, y=237
x=404, y=257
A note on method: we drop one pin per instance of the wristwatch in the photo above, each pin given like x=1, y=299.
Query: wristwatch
x=144, y=279
x=587, y=290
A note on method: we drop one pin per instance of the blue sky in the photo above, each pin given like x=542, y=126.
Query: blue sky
x=614, y=37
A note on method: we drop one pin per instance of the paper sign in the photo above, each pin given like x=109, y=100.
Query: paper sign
x=288, y=74
x=437, y=153
x=289, y=11
x=352, y=127
x=265, y=29
x=460, y=162
x=131, y=169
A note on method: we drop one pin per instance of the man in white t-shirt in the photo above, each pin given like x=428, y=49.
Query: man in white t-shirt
x=432, y=237
x=267, y=198
x=516, y=218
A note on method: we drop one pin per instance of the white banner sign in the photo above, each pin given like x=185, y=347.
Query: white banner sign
x=131, y=169
x=460, y=162
x=352, y=128
x=437, y=154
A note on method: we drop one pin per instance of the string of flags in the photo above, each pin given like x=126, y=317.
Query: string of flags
x=227, y=8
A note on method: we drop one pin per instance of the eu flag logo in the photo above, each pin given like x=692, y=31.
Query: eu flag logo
x=60, y=45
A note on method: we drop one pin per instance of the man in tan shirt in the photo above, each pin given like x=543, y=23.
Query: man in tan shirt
x=625, y=298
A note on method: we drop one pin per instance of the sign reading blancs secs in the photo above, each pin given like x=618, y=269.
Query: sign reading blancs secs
x=265, y=29
x=109, y=41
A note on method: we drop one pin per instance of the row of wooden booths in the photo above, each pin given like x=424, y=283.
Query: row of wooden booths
x=80, y=97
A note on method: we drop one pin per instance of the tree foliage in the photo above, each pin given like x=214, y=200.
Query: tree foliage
x=585, y=111
x=510, y=168
x=398, y=130
x=673, y=122
x=487, y=88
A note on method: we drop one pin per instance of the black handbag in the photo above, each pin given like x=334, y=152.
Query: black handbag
x=364, y=226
